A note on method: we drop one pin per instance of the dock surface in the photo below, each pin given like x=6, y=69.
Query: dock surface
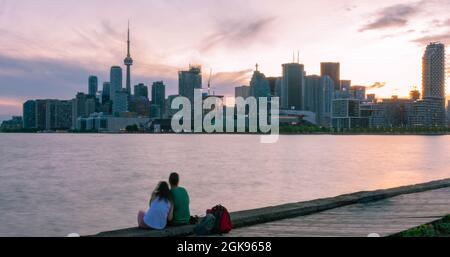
x=384, y=211
x=384, y=217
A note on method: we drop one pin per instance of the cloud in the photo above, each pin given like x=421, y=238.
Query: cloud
x=236, y=33
x=392, y=16
x=441, y=37
x=225, y=82
x=376, y=85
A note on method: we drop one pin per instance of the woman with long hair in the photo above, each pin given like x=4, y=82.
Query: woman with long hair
x=160, y=210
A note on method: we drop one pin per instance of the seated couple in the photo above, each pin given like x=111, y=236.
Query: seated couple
x=166, y=207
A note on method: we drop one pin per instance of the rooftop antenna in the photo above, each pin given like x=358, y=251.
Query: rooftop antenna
x=209, y=82
x=298, y=56
x=293, y=56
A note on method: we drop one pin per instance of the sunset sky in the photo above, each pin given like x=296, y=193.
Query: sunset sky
x=49, y=48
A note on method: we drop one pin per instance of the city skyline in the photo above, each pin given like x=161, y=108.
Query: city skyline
x=60, y=73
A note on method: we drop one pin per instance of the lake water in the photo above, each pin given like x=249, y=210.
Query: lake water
x=56, y=184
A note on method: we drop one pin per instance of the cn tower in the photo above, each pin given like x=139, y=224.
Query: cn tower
x=128, y=62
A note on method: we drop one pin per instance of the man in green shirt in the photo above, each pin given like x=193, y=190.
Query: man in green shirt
x=180, y=198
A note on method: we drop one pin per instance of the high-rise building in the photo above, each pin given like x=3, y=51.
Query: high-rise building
x=433, y=71
x=292, y=86
x=333, y=70
x=128, y=62
x=93, y=85
x=274, y=84
x=59, y=115
x=29, y=114
x=120, y=103
x=428, y=112
x=259, y=85
x=319, y=93
x=139, y=105
x=116, y=81
x=141, y=90
x=106, y=92
x=188, y=81
x=41, y=110
x=158, y=97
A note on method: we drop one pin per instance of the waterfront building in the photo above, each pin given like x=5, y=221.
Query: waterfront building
x=29, y=114
x=41, y=110
x=242, y=91
x=333, y=70
x=358, y=92
x=92, y=85
x=346, y=114
x=16, y=123
x=188, y=81
x=428, y=112
x=158, y=98
x=106, y=123
x=59, y=115
x=293, y=86
x=141, y=90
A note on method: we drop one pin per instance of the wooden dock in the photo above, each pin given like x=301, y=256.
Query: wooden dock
x=383, y=211
x=384, y=217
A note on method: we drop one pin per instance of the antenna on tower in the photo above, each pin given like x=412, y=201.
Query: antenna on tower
x=293, y=56
x=298, y=56
x=209, y=82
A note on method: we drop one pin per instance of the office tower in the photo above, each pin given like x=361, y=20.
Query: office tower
x=346, y=85
x=319, y=93
x=93, y=85
x=358, y=92
x=29, y=114
x=292, y=86
x=120, y=103
x=140, y=105
x=158, y=98
x=433, y=71
x=128, y=62
x=188, y=81
x=106, y=92
x=333, y=70
x=259, y=85
x=243, y=91
x=116, y=81
x=141, y=90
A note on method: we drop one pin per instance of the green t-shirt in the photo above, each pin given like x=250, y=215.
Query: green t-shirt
x=181, y=213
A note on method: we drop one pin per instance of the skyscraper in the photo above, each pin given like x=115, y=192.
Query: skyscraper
x=433, y=71
x=141, y=90
x=116, y=82
x=106, y=92
x=120, y=104
x=159, y=96
x=93, y=85
x=188, y=81
x=292, y=86
x=128, y=62
x=318, y=97
x=333, y=70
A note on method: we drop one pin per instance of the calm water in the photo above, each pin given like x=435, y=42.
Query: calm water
x=55, y=184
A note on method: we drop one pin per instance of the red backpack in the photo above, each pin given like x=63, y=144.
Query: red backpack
x=223, y=223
